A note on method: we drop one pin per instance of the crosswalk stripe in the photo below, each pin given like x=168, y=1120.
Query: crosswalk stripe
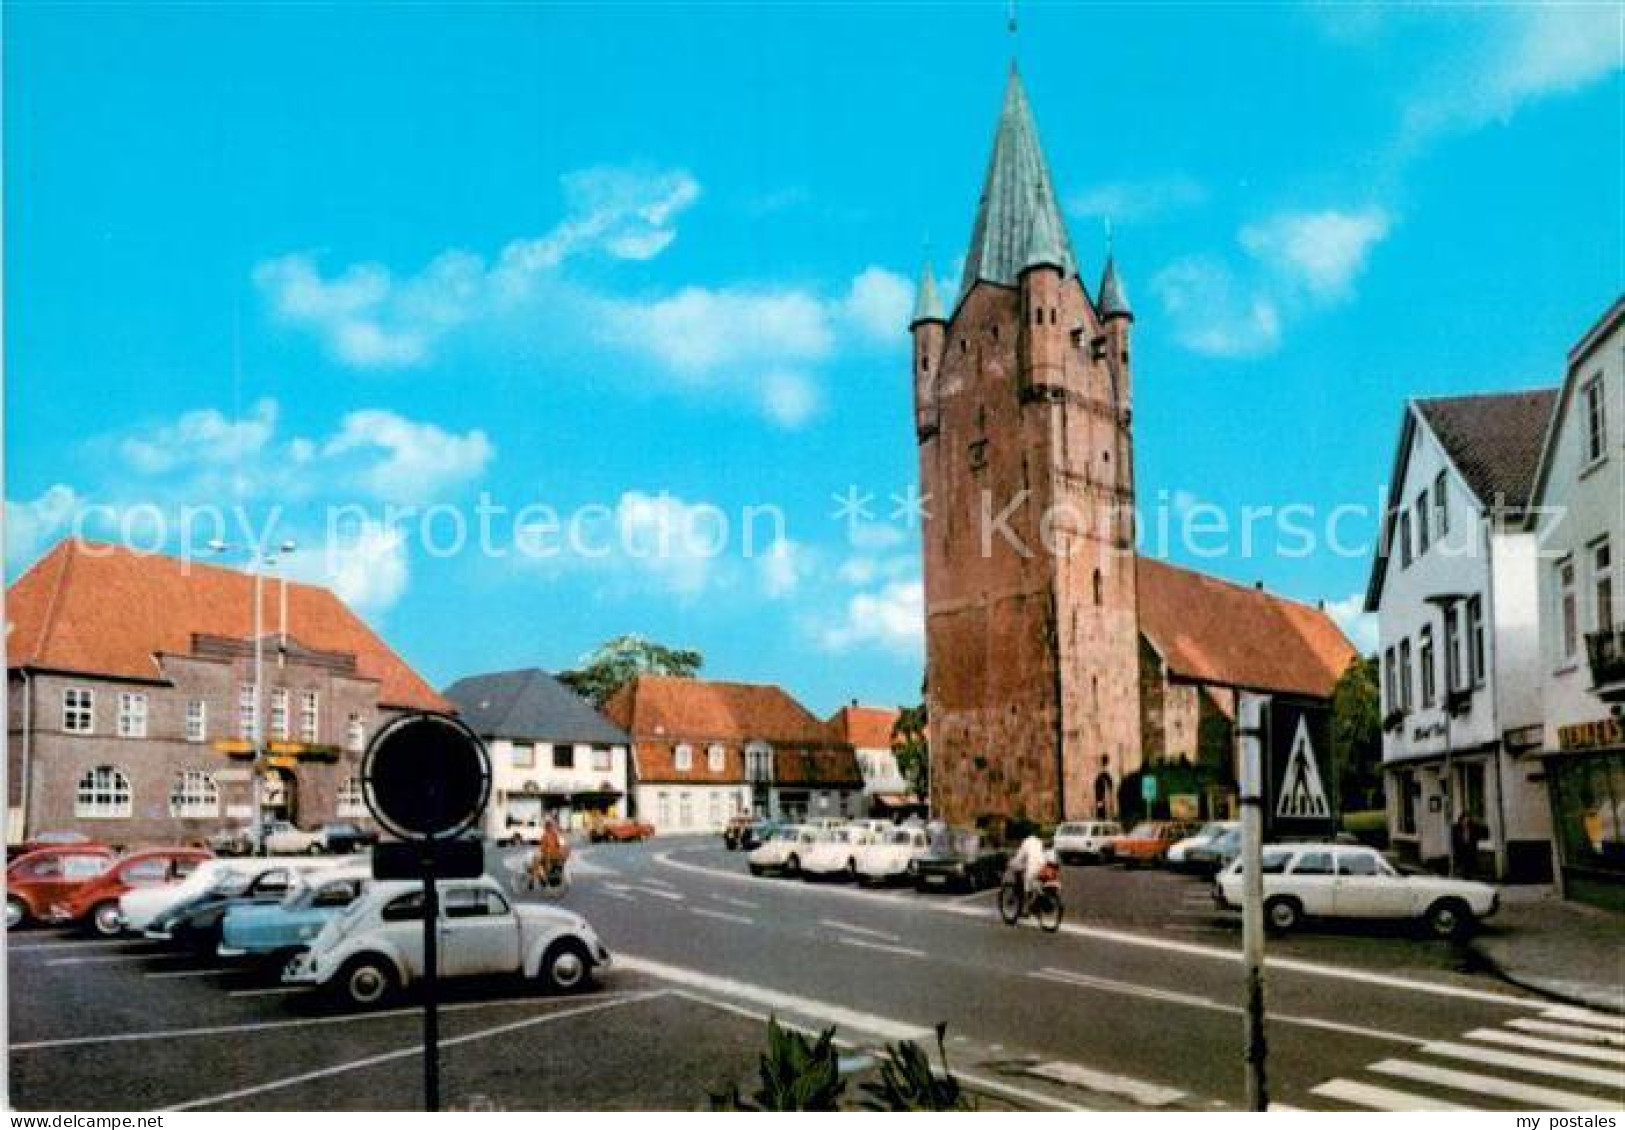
x=1585, y=1016
x=1477, y=1053
x=1545, y=1098
x=1570, y=1031
x=1558, y=1047
x=1380, y=1098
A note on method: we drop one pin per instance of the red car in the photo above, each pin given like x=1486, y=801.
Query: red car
x=95, y=904
x=620, y=831
x=37, y=880
x=1147, y=842
x=49, y=840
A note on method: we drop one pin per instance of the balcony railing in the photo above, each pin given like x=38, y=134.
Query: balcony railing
x=1606, y=650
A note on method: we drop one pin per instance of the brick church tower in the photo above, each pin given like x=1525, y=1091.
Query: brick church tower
x=1021, y=407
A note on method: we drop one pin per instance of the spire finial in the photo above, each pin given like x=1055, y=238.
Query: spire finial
x=1108, y=237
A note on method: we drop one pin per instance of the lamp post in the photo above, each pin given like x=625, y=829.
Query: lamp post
x=1446, y=603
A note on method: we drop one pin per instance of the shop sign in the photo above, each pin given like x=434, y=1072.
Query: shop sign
x=1591, y=735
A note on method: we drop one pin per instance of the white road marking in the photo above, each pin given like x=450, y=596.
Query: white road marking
x=670, y=896
x=774, y=999
x=1546, y=1098
x=1103, y=1083
x=624, y=897
x=1559, y=1047
x=408, y=1052
x=884, y=947
x=32, y=947
x=724, y=915
x=1020, y=1094
x=1570, y=1031
x=106, y=959
x=851, y=928
x=1585, y=1016
x=1380, y=1098
x=274, y=991
x=190, y=973
x=654, y=882
x=744, y=904
x=1535, y=1065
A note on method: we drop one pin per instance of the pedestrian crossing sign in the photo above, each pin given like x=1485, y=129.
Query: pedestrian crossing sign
x=1302, y=795
x=1300, y=802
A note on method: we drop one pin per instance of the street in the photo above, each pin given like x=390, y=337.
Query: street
x=1123, y=1009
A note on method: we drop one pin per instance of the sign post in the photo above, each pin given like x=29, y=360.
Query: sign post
x=1253, y=711
x=426, y=778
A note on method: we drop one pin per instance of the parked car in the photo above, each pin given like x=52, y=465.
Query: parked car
x=783, y=850
x=285, y=838
x=1147, y=842
x=38, y=880
x=1303, y=881
x=138, y=907
x=962, y=858
x=373, y=948
x=1081, y=841
x=1216, y=854
x=515, y=834
x=345, y=838
x=94, y=904
x=42, y=840
x=620, y=831
x=279, y=931
x=238, y=840
x=836, y=856
x=1178, y=855
x=891, y=857
x=195, y=921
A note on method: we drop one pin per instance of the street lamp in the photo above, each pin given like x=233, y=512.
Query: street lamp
x=1446, y=603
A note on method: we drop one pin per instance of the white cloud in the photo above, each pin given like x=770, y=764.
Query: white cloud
x=891, y=617
x=205, y=436
x=788, y=398
x=367, y=567
x=1321, y=251
x=1213, y=312
x=697, y=332
x=780, y=569
x=411, y=461
x=1358, y=625
x=32, y=525
x=878, y=303
x=1131, y=201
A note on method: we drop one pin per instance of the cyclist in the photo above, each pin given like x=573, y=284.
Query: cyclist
x=1026, y=868
x=550, y=855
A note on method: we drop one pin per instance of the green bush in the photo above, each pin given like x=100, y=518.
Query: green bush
x=796, y=1074
x=907, y=1082
x=1369, y=827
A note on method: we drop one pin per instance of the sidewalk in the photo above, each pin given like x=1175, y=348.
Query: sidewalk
x=1566, y=950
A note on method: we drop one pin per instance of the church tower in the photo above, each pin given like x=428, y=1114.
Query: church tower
x=1022, y=419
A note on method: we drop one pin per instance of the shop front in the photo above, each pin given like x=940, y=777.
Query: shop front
x=1585, y=780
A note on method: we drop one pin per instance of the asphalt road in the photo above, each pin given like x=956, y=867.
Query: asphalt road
x=1133, y=1005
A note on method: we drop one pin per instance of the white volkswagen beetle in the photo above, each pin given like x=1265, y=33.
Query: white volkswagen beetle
x=783, y=850
x=836, y=855
x=375, y=946
x=889, y=859
x=1334, y=881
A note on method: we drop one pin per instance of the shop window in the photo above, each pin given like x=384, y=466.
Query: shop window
x=1470, y=789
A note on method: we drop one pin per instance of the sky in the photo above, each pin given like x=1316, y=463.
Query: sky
x=534, y=325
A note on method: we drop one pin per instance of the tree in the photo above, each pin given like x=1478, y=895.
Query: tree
x=912, y=749
x=617, y=662
x=1357, y=735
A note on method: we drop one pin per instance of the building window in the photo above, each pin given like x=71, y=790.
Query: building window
x=715, y=758
x=1596, y=423
x=1424, y=657
x=1452, y=649
x=1422, y=523
x=309, y=715
x=759, y=763
x=197, y=720
x=103, y=794
x=194, y=794
x=1441, y=507
x=1405, y=554
x=663, y=807
x=714, y=807
x=683, y=758
x=523, y=755
x=685, y=809
x=1100, y=589
x=132, y=715
x=1568, y=618
x=564, y=757
x=602, y=760
x=1405, y=685
x=355, y=733
x=1405, y=784
x=1602, y=580
x=279, y=714
x=350, y=801
x=1390, y=679
x=1476, y=665
x=79, y=710
x=247, y=713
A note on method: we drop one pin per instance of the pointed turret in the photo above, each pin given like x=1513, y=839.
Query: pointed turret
x=927, y=303
x=929, y=328
x=1113, y=300
x=1017, y=197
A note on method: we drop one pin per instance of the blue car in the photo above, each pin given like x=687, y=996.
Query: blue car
x=283, y=929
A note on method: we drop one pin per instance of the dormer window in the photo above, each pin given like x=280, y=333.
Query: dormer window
x=683, y=758
x=715, y=758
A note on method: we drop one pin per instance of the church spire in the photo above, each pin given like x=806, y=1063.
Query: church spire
x=1113, y=301
x=927, y=303
x=1017, y=197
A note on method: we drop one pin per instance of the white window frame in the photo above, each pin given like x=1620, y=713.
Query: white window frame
x=1425, y=662
x=1406, y=684
x=193, y=794
x=78, y=710
x=1594, y=423
x=350, y=801
x=1423, y=527
x=716, y=759
x=355, y=733
x=1604, y=595
x=522, y=755
x=682, y=758
x=197, y=720
x=103, y=793
x=1477, y=645
x=1441, y=507
x=132, y=714
x=603, y=759
x=248, y=712
x=310, y=716
x=279, y=714
x=1568, y=611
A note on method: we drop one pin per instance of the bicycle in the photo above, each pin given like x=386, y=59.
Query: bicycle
x=1043, y=903
x=550, y=879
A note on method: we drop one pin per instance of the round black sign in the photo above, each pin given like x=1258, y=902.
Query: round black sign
x=426, y=777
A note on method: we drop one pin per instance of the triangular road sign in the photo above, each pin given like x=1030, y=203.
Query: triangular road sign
x=1302, y=795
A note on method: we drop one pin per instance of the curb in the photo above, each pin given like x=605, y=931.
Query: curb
x=1614, y=1006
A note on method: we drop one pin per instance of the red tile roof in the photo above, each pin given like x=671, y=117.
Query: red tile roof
x=829, y=768
x=867, y=727
x=702, y=711
x=1213, y=631
x=99, y=609
x=656, y=762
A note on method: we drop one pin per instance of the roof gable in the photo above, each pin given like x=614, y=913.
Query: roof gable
x=866, y=727
x=660, y=706
x=1493, y=440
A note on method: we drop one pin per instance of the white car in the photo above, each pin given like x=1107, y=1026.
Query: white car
x=374, y=947
x=836, y=856
x=891, y=857
x=1334, y=881
x=1079, y=840
x=784, y=849
x=1204, y=836
x=283, y=838
x=139, y=906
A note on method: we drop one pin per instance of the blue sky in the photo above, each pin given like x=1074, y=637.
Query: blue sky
x=655, y=260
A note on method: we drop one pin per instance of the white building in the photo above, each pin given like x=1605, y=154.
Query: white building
x=552, y=754
x=1578, y=514
x=1454, y=588
x=869, y=731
